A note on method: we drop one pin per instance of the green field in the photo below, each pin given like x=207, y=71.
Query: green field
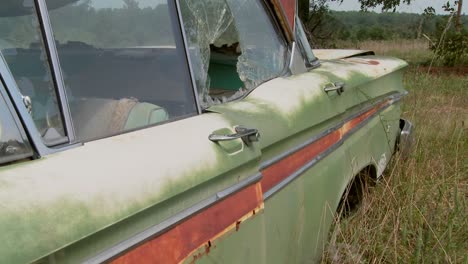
x=418, y=212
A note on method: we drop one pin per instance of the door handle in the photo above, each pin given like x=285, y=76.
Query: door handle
x=337, y=86
x=248, y=135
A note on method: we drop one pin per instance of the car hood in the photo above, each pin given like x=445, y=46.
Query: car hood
x=332, y=54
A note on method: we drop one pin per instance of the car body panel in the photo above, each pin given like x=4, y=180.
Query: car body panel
x=169, y=194
x=76, y=201
x=333, y=54
x=81, y=204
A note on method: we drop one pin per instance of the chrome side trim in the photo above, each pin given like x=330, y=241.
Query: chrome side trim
x=56, y=70
x=300, y=171
x=392, y=100
x=315, y=138
x=393, y=97
x=171, y=222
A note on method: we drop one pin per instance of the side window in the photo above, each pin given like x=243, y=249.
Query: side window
x=22, y=47
x=13, y=144
x=123, y=64
x=233, y=46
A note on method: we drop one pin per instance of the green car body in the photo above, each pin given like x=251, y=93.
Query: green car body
x=169, y=194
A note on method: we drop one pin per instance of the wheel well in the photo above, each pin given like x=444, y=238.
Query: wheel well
x=356, y=189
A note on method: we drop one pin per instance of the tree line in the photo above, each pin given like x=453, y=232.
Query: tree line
x=360, y=26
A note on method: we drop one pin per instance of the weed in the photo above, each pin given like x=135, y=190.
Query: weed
x=418, y=213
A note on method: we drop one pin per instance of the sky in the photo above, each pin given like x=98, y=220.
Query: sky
x=417, y=6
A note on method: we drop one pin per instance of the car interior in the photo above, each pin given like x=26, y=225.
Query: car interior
x=109, y=90
x=116, y=87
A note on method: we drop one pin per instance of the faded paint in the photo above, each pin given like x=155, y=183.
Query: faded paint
x=369, y=66
x=56, y=201
x=333, y=54
x=279, y=171
x=76, y=201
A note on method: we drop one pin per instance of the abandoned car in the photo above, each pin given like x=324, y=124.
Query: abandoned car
x=174, y=131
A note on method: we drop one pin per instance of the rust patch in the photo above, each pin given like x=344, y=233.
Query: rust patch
x=363, y=61
x=283, y=16
x=208, y=248
x=348, y=126
x=185, y=239
x=181, y=241
x=289, y=9
x=279, y=171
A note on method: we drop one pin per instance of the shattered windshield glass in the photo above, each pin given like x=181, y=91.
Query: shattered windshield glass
x=233, y=47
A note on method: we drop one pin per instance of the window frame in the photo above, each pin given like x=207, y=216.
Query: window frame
x=14, y=115
x=274, y=22
x=29, y=126
x=55, y=69
x=11, y=87
x=70, y=140
x=310, y=64
x=282, y=34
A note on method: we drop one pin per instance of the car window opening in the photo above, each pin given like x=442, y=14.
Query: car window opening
x=233, y=48
x=23, y=49
x=121, y=71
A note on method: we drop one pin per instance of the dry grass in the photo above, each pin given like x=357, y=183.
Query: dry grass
x=414, y=50
x=418, y=212
x=389, y=46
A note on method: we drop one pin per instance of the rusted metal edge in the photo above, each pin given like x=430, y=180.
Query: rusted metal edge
x=382, y=104
x=169, y=223
x=299, y=172
x=283, y=19
x=268, y=163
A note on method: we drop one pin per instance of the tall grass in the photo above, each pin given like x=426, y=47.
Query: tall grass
x=418, y=212
x=414, y=50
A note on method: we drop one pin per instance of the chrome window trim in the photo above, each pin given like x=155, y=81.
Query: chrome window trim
x=187, y=55
x=297, y=63
x=35, y=138
x=56, y=70
x=274, y=20
x=310, y=64
x=69, y=141
x=180, y=38
x=10, y=107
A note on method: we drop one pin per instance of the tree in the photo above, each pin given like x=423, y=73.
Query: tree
x=458, y=23
x=315, y=14
x=451, y=45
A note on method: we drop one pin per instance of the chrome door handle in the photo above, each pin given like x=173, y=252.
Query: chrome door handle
x=248, y=135
x=338, y=87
